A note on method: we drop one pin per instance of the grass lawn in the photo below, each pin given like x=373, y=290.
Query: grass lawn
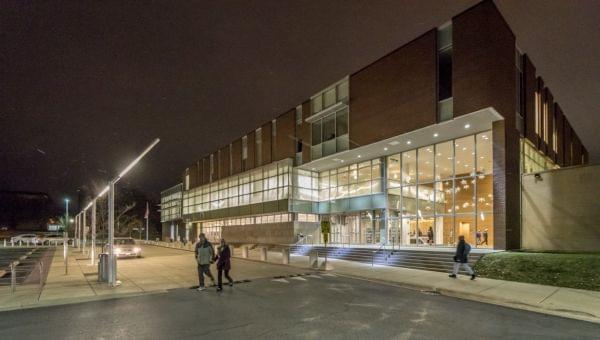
x=571, y=270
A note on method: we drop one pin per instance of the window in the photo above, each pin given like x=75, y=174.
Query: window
x=445, y=103
x=545, y=117
x=258, y=147
x=212, y=167
x=520, y=83
x=538, y=109
x=445, y=189
x=244, y=152
x=330, y=134
x=299, y=115
x=555, y=132
x=335, y=93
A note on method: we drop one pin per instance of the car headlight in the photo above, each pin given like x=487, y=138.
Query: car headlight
x=136, y=250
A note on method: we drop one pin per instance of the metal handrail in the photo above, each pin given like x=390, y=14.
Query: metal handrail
x=375, y=252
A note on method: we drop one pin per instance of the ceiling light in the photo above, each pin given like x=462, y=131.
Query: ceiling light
x=385, y=149
x=435, y=135
x=395, y=142
x=408, y=142
x=467, y=126
x=358, y=156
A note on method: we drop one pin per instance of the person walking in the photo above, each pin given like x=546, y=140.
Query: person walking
x=223, y=264
x=204, y=255
x=430, y=236
x=462, y=257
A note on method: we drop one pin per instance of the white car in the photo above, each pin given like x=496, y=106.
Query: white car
x=25, y=238
x=126, y=247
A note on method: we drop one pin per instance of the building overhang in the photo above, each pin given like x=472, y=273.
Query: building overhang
x=457, y=127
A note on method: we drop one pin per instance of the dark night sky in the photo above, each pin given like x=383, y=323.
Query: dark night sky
x=86, y=85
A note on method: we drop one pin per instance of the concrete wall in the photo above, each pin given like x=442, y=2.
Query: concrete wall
x=561, y=211
x=271, y=233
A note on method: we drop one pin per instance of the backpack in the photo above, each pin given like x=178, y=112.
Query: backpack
x=467, y=249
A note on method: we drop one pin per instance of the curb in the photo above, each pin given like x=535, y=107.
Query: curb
x=70, y=301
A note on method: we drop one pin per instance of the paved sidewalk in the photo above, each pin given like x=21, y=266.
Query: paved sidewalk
x=567, y=302
x=159, y=270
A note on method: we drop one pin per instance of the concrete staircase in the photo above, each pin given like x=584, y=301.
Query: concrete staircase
x=434, y=260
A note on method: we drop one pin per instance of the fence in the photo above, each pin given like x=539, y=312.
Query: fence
x=23, y=265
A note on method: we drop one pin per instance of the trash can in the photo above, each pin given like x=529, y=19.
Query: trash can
x=103, y=267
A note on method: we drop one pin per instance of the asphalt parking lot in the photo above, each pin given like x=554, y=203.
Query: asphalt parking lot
x=28, y=269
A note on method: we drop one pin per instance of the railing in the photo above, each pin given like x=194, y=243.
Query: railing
x=175, y=245
x=19, y=267
x=375, y=253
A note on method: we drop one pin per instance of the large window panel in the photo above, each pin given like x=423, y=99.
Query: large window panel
x=409, y=167
x=341, y=122
x=464, y=149
x=426, y=199
x=409, y=200
x=485, y=193
x=316, y=133
x=425, y=164
x=464, y=195
x=484, y=153
x=444, y=160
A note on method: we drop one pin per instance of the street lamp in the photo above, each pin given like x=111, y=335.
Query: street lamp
x=112, y=260
x=66, y=236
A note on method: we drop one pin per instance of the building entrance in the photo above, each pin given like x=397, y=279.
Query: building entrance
x=356, y=228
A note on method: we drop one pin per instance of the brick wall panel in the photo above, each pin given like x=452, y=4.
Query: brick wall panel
x=396, y=94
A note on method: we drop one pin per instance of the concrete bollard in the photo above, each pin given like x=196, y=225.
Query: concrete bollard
x=285, y=255
x=313, y=260
x=244, y=252
x=263, y=254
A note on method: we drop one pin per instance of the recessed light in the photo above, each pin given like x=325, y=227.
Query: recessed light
x=408, y=142
x=467, y=126
x=435, y=135
x=385, y=149
x=358, y=156
x=342, y=161
x=395, y=142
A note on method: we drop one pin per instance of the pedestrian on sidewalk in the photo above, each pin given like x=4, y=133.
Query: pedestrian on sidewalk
x=462, y=257
x=223, y=264
x=204, y=255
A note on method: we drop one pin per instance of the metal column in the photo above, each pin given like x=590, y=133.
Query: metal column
x=93, y=235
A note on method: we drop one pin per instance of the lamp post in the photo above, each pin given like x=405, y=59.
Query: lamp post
x=66, y=236
x=112, y=260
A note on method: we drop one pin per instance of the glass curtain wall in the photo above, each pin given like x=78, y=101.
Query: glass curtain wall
x=441, y=191
x=269, y=183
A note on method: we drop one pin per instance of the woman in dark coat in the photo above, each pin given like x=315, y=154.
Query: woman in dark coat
x=223, y=264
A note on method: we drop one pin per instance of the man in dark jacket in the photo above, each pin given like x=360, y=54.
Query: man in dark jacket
x=462, y=257
x=205, y=254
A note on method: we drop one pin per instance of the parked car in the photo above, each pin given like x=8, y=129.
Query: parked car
x=126, y=247
x=25, y=238
x=53, y=239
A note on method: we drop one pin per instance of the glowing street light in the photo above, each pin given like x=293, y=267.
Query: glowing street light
x=112, y=260
x=110, y=189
